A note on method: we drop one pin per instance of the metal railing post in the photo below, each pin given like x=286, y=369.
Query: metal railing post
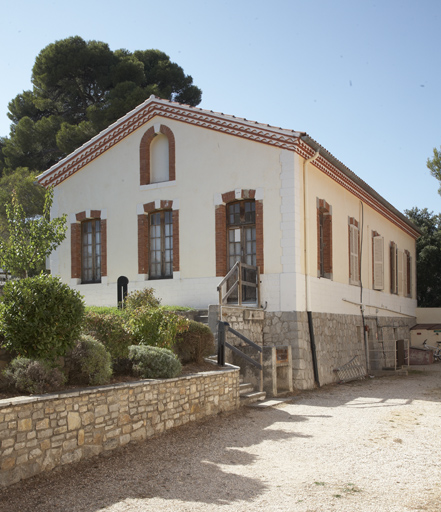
x=221, y=343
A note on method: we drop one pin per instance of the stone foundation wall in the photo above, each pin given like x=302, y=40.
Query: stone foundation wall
x=338, y=338
x=42, y=432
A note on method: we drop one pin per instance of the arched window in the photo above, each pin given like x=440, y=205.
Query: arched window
x=159, y=159
x=157, y=155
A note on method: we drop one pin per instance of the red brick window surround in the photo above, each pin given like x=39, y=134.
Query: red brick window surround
x=166, y=241
x=97, y=244
x=145, y=153
x=221, y=229
x=324, y=239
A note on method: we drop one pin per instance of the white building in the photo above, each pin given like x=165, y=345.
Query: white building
x=170, y=196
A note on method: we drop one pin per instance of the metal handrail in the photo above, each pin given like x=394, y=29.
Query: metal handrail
x=224, y=327
x=239, y=283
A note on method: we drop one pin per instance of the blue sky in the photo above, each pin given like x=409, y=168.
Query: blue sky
x=361, y=77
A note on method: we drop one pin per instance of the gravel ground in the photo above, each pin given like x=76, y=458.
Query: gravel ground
x=365, y=446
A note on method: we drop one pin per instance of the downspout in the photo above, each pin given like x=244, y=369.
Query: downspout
x=306, y=245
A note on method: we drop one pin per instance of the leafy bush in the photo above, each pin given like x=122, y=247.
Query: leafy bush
x=154, y=362
x=40, y=317
x=110, y=330
x=33, y=376
x=194, y=344
x=155, y=327
x=141, y=298
x=89, y=363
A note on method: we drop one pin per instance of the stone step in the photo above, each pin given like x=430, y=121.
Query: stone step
x=202, y=316
x=245, y=387
x=250, y=398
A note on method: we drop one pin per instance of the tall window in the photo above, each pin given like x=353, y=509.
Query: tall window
x=354, y=249
x=393, y=268
x=241, y=236
x=91, y=251
x=400, y=271
x=324, y=239
x=378, y=261
x=161, y=245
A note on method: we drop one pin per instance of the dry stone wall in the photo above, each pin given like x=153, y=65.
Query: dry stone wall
x=40, y=433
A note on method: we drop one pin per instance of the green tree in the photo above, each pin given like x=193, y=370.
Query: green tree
x=79, y=88
x=428, y=248
x=434, y=165
x=30, y=240
x=28, y=192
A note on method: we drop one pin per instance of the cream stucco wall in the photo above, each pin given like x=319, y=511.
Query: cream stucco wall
x=208, y=164
x=338, y=295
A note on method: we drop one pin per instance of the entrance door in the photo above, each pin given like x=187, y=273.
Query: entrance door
x=241, y=235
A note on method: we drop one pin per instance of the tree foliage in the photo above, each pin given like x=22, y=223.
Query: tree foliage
x=79, y=88
x=434, y=165
x=428, y=248
x=28, y=193
x=30, y=240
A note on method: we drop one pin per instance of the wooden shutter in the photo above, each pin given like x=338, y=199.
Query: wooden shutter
x=400, y=273
x=378, y=252
x=393, y=268
x=353, y=247
x=407, y=273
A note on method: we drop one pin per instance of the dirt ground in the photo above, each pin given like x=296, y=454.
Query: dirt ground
x=368, y=446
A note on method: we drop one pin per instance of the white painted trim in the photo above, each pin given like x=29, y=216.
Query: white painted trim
x=260, y=193
x=161, y=184
x=217, y=199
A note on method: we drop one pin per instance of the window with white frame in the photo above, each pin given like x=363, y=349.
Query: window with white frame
x=161, y=244
x=91, y=251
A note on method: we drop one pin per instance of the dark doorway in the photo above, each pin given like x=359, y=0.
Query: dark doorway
x=122, y=286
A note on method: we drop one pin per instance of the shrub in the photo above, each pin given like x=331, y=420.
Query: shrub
x=33, y=376
x=109, y=329
x=194, y=344
x=154, y=362
x=155, y=327
x=89, y=363
x=40, y=317
x=141, y=298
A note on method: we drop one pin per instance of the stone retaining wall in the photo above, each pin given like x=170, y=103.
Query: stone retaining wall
x=338, y=338
x=41, y=432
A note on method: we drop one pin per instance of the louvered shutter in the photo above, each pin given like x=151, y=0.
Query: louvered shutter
x=378, y=262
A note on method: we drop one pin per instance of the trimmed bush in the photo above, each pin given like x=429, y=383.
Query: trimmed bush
x=33, y=376
x=141, y=298
x=156, y=327
x=154, y=362
x=40, y=317
x=109, y=329
x=194, y=344
x=89, y=363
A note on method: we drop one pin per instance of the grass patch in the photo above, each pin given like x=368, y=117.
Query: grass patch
x=104, y=310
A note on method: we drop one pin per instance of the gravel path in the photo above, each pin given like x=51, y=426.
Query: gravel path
x=366, y=446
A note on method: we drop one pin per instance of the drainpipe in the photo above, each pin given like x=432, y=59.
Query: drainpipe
x=306, y=246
